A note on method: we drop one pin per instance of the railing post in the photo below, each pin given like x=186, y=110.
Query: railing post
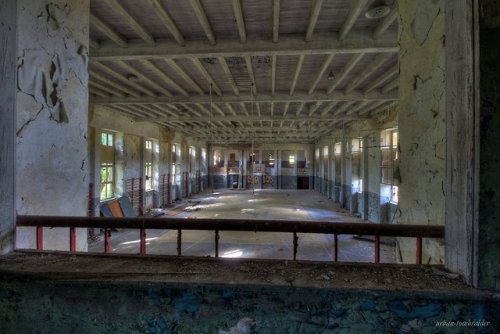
x=39, y=238
x=141, y=195
x=132, y=181
x=163, y=190
x=72, y=239
x=217, y=237
x=335, y=247
x=295, y=245
x=179, y=242
x=419, y=250
x=169, y=189
x=143, y=241
x=107, y=241
x=377, y=249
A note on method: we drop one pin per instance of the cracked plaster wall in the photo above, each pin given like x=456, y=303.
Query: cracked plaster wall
x=130, y=136
x=7, y=120
x=52, y=105
x=422, y=123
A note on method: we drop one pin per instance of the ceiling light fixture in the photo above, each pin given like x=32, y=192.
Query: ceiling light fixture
x=133, y=78
x=377, y=10
x=331, y=76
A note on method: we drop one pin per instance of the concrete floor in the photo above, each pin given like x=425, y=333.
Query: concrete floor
x=261, y=204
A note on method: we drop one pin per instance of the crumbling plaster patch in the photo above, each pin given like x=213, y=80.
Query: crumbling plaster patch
x=52, y=112
x=422, y=121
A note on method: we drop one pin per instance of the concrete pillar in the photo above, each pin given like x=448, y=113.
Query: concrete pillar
x=422, y=122
x=8, y=26
x=52, y=115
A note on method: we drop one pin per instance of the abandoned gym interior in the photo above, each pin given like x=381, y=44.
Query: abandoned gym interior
x=249, y=166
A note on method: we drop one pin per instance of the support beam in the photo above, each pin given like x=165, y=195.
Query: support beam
x=112, y=90
x=143, y=77
x=218, y=109
x=122, y=78
x=180, y=72
x=97, y=91
x=297, y=72
x=339, y=77
x=288, y=45
x=201, y=15
x=228, y=74
x=239, y=118
x=324, y=67
x=374, y=95
x=248, y=61
x=273, y=75
x=387, y=21
x=132, y=22
x=152, y=67
x=390, y=86
x=343, y=108
x=276, y=20
x=98, y=76
x=352, y=16
x=299, y=109
x=94, y=44
x=108, y=31
x=215, y=88
x=240, y=21
x=168, y=21
x=370, y=68
x=329, y=107
x=375, y=105
x=313, y=18
x=383, y=78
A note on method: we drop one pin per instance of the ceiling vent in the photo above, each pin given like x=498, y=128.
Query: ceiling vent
x=377, y=10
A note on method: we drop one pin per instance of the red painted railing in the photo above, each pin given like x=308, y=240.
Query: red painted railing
x=217, y=225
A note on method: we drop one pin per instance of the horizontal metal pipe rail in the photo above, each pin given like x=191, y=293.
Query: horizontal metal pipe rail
x=218, y=225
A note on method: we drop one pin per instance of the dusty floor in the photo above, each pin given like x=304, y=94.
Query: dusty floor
x=134, y=268
x=261, y=204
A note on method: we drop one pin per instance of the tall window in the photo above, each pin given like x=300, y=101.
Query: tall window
x=107, y=165
x=148, y=167
x=389, y=150
x=357, y=180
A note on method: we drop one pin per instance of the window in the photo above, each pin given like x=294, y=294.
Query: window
x=107, y=165
x=357, y=181
x=389, y=150
x=287, y=159
x=148, y=164
x=106, y=181
x=268, y=159
x=218, y=159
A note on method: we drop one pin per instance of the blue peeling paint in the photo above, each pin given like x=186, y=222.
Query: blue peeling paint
x=187, y=303
x=424, y=311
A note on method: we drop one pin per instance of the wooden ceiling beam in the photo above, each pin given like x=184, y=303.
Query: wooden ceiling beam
x=144, y=78
x=383, y=78
x=110, y=90
x=387, y=21
x=278, y=97
x=273, y=75
x=202, y=17
x=354, y=12
x=180, y=72
x=197, y=63
x=324, y=67
x=313, y=18
x=296, y=74
x=240, y=21
x=370, y=68
x=390, y=86
x=248, y=61
x=339, y=77
x=229, y=76
x=132, y=22
x=289, y=45
x=98, y=76
x=156, y=70
x=120, y=77
x=108, y=31
x=276, y=20
x=167, y=20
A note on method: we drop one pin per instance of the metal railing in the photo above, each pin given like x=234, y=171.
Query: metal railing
x=216, y=225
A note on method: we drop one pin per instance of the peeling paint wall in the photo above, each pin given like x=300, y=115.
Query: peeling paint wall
x=232, y=309
x=130, y=138
x=367, y=204
x=489, y=182
x=422, y=122
x=7, y=122
x=52, y=107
